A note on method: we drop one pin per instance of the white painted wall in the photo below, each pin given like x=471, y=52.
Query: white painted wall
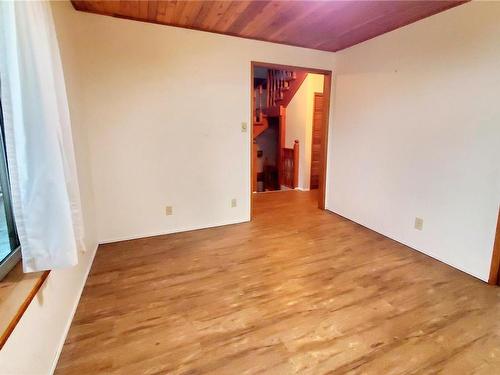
x=299, y=122
x=163, y=108
x=416, y=132
x=34, y=346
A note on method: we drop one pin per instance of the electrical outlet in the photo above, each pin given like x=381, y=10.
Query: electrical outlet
x=233, y=202
x=244, y=127
x=169, y=210
x=419, y=223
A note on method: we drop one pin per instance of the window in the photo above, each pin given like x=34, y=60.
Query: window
x=10, y=252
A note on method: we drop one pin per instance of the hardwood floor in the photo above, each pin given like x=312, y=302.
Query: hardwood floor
x=296, y=291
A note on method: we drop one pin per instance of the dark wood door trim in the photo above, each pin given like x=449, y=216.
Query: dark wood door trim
x=253, y=155
x=327, y=86
x=494, y=278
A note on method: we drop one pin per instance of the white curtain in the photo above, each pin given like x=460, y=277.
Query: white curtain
x=45, y=194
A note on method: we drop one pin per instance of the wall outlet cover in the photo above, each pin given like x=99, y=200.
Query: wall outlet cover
x=233, y=203
x=169, y=210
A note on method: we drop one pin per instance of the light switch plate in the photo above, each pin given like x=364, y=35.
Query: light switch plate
x=419, y=223
x=244, y=127
x=169, y=210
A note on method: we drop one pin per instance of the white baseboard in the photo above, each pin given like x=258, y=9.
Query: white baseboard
x=171, y=231
x=427, y=252
x=75, y=306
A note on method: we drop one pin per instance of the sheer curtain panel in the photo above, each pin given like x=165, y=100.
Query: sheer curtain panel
x=40, y=155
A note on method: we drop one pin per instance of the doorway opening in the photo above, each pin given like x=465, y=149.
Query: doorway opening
x=290, y=107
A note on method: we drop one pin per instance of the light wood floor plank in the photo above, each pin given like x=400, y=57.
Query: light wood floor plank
x=296, y=291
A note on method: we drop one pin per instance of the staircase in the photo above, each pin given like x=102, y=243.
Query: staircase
x=259, y=127
x=271, y=96
x=274, y=94
x=282, y=86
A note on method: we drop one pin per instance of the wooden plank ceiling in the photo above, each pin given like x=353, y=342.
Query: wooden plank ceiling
x=323, y=25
